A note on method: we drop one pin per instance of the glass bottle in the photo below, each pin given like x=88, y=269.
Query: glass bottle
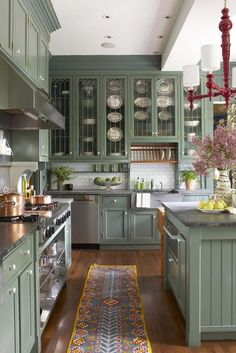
x=142, y=184
x=137, y=184
x=24, y=186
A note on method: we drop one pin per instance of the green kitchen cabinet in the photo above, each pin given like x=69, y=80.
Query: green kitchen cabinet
x=9, y=325
x=88, y=142
x=115, y=219
x=17, y=330
x=143, y=226
x=6, y=14
x=43, y=63
x=114, y=121
x=30, y=145
x=33, y=50
x=154, y=108
x=27, y=309
x=61, y=141
x=20, y=34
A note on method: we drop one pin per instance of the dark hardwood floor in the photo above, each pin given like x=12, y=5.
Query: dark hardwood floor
x=164, y=322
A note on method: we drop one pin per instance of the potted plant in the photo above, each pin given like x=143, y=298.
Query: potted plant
x=62, y=174
x=189, y=177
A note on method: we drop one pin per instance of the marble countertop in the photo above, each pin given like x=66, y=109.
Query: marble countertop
x=187, y=213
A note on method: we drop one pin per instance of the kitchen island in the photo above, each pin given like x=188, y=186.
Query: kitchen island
x=200, y=268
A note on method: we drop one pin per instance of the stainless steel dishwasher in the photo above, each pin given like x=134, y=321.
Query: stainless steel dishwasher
x=85, y=219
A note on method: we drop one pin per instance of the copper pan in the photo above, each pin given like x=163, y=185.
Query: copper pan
x=11, y=204
x=40, y=199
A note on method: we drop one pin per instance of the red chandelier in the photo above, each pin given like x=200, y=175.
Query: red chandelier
x=210, y=61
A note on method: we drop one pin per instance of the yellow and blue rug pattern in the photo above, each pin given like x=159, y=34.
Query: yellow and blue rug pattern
x=110, y=315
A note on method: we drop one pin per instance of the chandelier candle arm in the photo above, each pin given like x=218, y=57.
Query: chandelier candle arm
x=210, y=62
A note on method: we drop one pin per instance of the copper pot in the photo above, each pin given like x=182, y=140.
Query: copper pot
x=11, y=204
x=40, y=199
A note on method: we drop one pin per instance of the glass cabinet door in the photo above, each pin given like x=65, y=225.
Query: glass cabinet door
x=192, y=125
x=87, y=101
x=166, y=107
x=60, y=139
x=115, y=118
x=142, y=105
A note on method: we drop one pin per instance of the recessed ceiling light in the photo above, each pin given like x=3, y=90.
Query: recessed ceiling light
x=167, y=17
x=106, y=17
x=108, y=37
x=107, y=45
x=160, y=37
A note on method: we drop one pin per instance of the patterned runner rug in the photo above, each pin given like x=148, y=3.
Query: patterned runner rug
x=110, y=315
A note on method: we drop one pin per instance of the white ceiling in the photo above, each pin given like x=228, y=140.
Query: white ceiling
x=135, y=27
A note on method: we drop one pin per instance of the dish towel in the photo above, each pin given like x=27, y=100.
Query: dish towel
x=143, y=200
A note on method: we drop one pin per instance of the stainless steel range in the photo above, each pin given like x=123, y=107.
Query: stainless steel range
x=52, y=251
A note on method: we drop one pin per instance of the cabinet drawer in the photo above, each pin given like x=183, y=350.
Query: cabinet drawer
x=17, y=260
x=112, y=201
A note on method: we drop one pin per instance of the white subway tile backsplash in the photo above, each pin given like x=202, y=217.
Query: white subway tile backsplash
x=164, y=173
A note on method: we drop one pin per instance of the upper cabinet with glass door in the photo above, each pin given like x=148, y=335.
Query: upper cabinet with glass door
x=154, y=109
x=115, y=119
x=192, y=125
x=61, y=140
x=87, y=106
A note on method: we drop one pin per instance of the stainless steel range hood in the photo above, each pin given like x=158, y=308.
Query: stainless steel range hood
x=23, y=106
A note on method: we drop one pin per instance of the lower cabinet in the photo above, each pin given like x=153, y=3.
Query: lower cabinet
x=143, y=226
x=122, y=224
x=176, y=265
x=115, y=225
x=17, y=330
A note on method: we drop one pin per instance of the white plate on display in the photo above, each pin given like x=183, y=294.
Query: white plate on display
x=163, y=115
x=191, y=123
x=141, y=86
x=141, y=115
x=164, y=86
x=114, y=117
x=115, y=154
x=143, y=102
x=164, y=101
x=209, y=211
x=114, y=86
x=114, y=134
x=114, y=101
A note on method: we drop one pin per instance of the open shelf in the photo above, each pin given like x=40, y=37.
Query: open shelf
x=158, y=153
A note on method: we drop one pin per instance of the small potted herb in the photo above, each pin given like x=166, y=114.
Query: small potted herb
x=189, y=177
x=62, y=174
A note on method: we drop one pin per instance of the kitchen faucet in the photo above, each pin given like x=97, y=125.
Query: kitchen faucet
x=161, y=185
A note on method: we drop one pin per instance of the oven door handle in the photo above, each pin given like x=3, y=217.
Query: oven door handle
x=172, y=236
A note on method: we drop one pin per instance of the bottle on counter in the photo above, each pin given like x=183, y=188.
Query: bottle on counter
x=24, y=185
x=137, y=184
x=142, y=184
x=152, y=184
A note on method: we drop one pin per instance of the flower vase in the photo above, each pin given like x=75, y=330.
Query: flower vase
x=59, y=185
x=223, y=187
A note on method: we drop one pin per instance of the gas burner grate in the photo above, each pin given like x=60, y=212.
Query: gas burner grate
x=21, y=219
x=41, y=207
